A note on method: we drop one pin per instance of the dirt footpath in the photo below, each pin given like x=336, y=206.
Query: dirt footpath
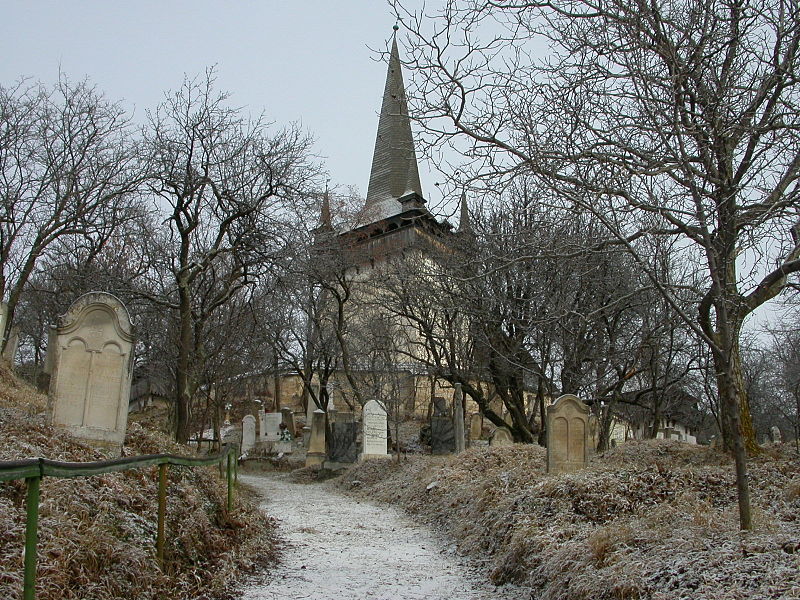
x=338, y=547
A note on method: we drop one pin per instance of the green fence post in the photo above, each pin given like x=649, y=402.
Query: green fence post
x=31, y=537
x=162, y=510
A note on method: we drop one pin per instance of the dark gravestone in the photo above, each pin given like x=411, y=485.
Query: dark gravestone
x=343, y=446
x=440, y=407
x=443, y=437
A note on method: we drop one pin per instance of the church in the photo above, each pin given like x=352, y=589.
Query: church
x=393, y=231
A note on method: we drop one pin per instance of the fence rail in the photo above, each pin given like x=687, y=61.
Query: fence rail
x=34, y=469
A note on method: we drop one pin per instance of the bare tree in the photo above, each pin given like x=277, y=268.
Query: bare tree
x=67, y=175
x=222, y=185
x=662, y=118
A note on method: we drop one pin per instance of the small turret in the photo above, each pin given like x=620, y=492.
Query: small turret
x=464, y=223
x=325, y=224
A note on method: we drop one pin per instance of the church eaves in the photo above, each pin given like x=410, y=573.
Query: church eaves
x=394, y=171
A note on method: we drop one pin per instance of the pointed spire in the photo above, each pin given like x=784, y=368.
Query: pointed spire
x=325, y=227
x=464, y=224
x=325, y=212
x=394, y=171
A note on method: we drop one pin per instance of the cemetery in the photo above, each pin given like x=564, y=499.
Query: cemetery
x=566, y=369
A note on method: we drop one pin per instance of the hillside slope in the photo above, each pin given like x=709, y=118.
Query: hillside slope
x=655, y=520
x=96, y=534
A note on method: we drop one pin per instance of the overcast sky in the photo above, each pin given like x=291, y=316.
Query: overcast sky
x=307, y=61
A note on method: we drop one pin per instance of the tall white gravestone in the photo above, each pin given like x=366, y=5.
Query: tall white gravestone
x=373, y=420
x=91, y=362
x=248, y=433
x=272, y=427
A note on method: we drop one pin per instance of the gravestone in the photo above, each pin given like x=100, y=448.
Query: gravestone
x=775, y=434
x=375, y=435
x=458, y=418
x=345, y=417
x=443, y=438
x=262, y=426
x=501, y=437
x=440, y=407
x=316, y=444
x=475, y=426
x=568, y=442
x=272, y=427
x=344, y=447
x=284, y=448
x=288, y=420
x=91, y=362
x=285, y=445
x=311, y=406
x=248, y=433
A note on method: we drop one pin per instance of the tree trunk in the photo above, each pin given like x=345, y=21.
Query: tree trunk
x=729, y=395
x=182, y=375
x=745, y=419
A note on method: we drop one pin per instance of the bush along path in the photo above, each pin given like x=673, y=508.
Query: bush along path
x=337, y=546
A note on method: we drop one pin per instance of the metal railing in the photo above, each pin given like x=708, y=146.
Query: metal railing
x=34, y=469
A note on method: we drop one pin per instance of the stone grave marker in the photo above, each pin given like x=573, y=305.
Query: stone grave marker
x=272, y=426
x=475, y=426
x=375, y=435
x=316, y=444
x=458, y=418
x=344, y=447
x=91, y=362
x=248, y=433
x=262, y=426
x=311, y=406
x=775, y=434
x=501, y=437
x=288, y=419
x=568, y=443
x=443, y=438
x=285, y=445
x=440, y=407
x=284, y=448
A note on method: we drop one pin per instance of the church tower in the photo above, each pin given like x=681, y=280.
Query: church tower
x=395, y=238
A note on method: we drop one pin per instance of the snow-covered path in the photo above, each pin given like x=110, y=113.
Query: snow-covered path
x=338, y=547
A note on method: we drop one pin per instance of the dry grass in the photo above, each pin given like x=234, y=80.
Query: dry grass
x=648, y=520
x=96, y=534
